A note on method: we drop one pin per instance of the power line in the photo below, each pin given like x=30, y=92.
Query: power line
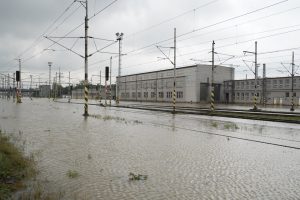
x=229, y=27
x=209, y=26
x=49, y=27
x=97, y=13
x=171, y=19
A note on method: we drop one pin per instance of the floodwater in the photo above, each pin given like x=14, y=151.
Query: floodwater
x=183, y=156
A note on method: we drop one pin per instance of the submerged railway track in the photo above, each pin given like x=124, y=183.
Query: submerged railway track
x=276, y=116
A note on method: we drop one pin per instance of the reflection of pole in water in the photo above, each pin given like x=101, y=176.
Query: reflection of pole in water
x=173, y=123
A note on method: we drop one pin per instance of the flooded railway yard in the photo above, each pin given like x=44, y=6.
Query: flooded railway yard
x=182, y=156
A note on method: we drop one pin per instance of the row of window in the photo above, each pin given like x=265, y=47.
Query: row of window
x=152, y=84
x=243, y=96
x=270, y=83
x=287, y=94
x=179, y=95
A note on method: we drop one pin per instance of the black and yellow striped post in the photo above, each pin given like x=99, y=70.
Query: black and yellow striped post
x=292, y=108
x=86, y=99
x=18, y=96
x=212, y=100
x=174, y=101
x=212, y=92
x=255, y=102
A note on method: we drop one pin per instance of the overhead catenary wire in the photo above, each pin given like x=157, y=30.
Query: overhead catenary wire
x=170, y=19
x=47, y=29
x=68, y=33
x=211, y=25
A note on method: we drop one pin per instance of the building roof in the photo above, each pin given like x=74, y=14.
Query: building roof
x=184, y=67
x=252, y=79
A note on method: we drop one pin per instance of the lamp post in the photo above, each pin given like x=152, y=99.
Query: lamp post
x=119, y=38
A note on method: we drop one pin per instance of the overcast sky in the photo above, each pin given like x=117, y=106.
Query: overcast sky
x=234, y=25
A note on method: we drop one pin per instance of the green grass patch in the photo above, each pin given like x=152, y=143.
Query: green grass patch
x=14, y=168
x=214, y=124
x=72, y=174
x=137, y=177
x=231, y=126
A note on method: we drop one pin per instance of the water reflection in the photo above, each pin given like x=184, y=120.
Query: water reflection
x=180, y=157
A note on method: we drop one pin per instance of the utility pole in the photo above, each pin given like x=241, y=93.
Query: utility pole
x=100, y=98
x=3, y=87
x=8, y=86
x=5, y=94
x=212, y=93
x=19, y=86
x=55, y=91
x=174, y=76
x=110, y=66
x=255, y=92
x=264, y=86
x=69, y=100
x=30, y=92
x=59, y=82
x=86, y=90
x=14, y=87
x=105, y=86
x=119, y=38
x=293, y=74
x=20, y=74
x=49, y=64
x=255, y=75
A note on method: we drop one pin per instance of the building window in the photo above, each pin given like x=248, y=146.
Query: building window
x=133, y=95
x=139, y=95
x=145, y=94
x=161, y=95
x=274, y=83
x=247, y=96
x=179, y=95
x=152, y=94
x=287, y=94
x=169, y=94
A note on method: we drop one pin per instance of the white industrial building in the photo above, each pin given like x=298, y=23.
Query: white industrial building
x=277, y=90
x=192, y=84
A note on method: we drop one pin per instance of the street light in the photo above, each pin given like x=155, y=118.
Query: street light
x=119, y=38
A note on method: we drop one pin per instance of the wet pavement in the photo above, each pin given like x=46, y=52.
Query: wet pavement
x=184, y=156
